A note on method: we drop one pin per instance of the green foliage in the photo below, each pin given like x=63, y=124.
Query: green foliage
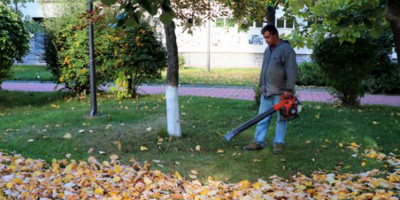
x=384, y=80
x=14, y=40
x=310, y=75
x=67, y=47
x=132, y=11
x=181, y=61
x=385, y=76
x=346, y=20
x=345, y=66
x=141, y=57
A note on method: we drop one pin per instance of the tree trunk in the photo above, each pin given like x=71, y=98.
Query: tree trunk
x=393, y=16
x=173, y=121
x=270, y=15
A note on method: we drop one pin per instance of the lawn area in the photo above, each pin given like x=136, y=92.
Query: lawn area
x=220, y=76
x=30, y=73
x=53, y=125
x=195, y=76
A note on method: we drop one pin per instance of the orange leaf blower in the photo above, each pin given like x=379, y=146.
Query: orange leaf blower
x=289, y=108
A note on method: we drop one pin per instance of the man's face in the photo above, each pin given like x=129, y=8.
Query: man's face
x=270, y=39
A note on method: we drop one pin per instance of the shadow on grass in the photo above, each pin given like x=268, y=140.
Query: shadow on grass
x=11, y=99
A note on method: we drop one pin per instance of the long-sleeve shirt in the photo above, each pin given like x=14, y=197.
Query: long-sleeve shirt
x=279, y=70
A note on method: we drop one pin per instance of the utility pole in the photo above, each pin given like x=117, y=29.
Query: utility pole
x=208, y=39
x=92, y=69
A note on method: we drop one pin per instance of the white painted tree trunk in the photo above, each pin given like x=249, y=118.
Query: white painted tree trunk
x=173, y=121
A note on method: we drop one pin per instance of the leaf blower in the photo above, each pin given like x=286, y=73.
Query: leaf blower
x=289, y=108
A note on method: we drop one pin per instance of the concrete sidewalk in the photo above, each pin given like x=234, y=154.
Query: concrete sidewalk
x=219, y=92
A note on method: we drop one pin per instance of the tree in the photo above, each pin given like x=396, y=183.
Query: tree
x=14, y=40
x=247, y=11
x=16, y=4
x=130, y=14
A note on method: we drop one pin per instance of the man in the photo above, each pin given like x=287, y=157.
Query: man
x=278, y=76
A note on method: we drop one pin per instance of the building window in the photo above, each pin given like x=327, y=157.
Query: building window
x=230, y=22
x=280, y=23
x=259, y=24
x=290, y=23
x=285, y=23
x=225, y=22
x=219, y=22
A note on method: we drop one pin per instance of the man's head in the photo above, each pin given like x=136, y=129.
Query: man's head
x=270, y=34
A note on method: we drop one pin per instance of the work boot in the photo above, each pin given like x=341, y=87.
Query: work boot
x=278, y=148
x=253, y=146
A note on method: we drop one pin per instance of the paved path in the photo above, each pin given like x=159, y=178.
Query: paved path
x=220, y=92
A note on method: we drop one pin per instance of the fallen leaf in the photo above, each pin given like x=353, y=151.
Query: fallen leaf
x=143, y=148
x=198, y=148
x=67, y=136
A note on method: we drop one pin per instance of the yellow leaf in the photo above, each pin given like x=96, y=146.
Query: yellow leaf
x=117, y=169
x=257, y=185
x=99, y=191
x=256, y=160
x=340, y=145
x=363, y=164
x=143, y=148
x=147, y=181
x=113, y=157
x=67, y=136
x=178, y=175
x=353, y=144
x=394, y=178
x=220, y=151
x=198, y=148
x=204, y=191
x=244, y=184
x=9, y=185
x=116, y=179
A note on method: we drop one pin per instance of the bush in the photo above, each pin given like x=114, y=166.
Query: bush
x=384, y=80
x=310, y=75
x=141, y=57
x=345, y=67
x=14, y=40
x=67, y=47
x=385, y=76
x=181, y=61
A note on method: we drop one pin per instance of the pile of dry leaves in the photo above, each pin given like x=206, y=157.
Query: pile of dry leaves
x=22, y=178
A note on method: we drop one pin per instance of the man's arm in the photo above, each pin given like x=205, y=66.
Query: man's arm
x=291, y=70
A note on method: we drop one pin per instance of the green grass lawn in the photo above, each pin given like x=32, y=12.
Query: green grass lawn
x=38, y=125
x=220, y=76
x=30, y=73
x=196, y=76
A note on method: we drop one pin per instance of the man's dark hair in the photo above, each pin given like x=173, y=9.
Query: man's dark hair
x=270, y=28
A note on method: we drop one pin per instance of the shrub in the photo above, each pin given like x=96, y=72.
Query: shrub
x=345, y=66
x=384, y=80
x=67, y=47
x=141, y=57
x=310, y=74
x=181, y=61
x=385, y=76
x=14, y=40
